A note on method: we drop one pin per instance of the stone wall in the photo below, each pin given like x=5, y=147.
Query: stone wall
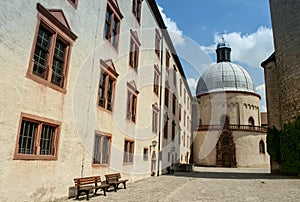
x=272, y=92
x=286, y=31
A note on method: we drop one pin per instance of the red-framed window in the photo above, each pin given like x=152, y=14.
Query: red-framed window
x=128, y=151
x=145, y=154
x=107, y=83
x=134, y=50
x=174, y=105
x=179, y=112
x=102, y=147
x=157, y=42
x=166, y=97
x=167, y=60
x=166, y=126
x=137, y=9
x=174, y=76
x=184, y=118
x=131, y=103
x=156, y=80
x=38, y=138
x=180, y=89
x=51, y=51
x=155, y=118
x=173, y=130
x=112, y=23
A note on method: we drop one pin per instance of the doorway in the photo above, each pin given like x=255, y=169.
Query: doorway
x=225, y=150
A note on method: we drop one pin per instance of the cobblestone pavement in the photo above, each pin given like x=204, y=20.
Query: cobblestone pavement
x=210, y=184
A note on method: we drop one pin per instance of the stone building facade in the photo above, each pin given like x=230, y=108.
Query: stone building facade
x=281, y=69
x=87, y=88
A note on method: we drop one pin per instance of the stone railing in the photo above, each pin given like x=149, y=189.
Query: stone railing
x=233, y=127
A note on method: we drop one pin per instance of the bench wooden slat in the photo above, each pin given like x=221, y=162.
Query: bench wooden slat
x=86, y=189
x=114, y=180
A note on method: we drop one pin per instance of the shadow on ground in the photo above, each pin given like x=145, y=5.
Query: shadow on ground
x=231, y=175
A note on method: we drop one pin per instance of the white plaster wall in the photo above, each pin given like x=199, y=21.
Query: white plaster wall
x=34, y=180
x=238, y=106
x=247, y=148
x=205, y=147
x=38, y=180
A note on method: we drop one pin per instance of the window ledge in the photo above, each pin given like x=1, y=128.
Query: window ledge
x=34, y=157
x=100, y=165
x=105, y=110
x=128, y=164
x=45, y=83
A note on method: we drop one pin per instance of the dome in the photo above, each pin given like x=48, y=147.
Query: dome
x=225, y=76
x=223, y=44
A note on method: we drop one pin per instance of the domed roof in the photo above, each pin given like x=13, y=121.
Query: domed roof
x=225, y=76
x=223, y=44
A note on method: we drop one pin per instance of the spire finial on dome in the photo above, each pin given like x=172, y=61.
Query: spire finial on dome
x=223, y=51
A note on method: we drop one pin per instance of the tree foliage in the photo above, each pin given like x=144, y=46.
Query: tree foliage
x=284, y=147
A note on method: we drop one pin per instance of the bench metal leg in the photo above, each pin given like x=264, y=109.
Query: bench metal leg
x=78, y=194
x=87, y=194
x=104, y=191
x=116, y=187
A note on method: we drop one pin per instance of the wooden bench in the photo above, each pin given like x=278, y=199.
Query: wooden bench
x=114, y=180
x=92, y=183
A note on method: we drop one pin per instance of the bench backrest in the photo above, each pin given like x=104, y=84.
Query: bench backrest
x=113, y=177
x=87, y=180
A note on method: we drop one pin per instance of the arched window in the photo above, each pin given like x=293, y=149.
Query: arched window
x=224, y=120
x=261, y=147
x=251, y=121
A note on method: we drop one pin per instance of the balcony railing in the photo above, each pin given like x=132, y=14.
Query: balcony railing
x=233, y=127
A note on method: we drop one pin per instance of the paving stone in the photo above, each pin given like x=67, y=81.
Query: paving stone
x=210, y=184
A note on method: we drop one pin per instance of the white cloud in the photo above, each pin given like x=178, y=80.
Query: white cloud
x=192, y=84
x=250, y=49
x=261, y=90
x=175, y=33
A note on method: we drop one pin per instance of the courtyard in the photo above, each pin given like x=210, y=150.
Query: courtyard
x=209, y=184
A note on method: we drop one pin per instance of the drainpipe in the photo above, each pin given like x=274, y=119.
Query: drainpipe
x=160, y=101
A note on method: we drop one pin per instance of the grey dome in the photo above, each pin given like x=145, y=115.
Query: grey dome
x=225, y=76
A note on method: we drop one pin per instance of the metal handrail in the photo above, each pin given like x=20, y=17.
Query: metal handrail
x=233, y=127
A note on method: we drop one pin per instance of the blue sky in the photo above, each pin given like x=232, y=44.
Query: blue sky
x=200, y=24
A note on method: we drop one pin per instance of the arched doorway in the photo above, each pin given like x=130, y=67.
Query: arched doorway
x=226, y=150
x=226, y=161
